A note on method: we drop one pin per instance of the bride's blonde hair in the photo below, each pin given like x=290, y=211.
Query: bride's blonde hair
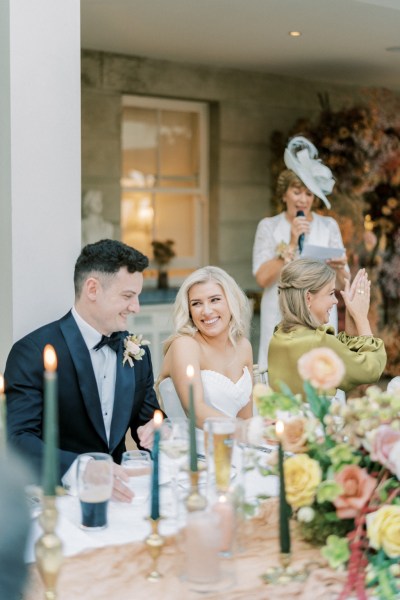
x=237, y=300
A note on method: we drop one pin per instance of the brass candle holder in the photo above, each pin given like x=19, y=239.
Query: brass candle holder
x=154, y=542
x=285, y=573
x=195, y=500
x=48, y=548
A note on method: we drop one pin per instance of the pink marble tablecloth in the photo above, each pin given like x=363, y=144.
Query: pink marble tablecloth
x=119, y=572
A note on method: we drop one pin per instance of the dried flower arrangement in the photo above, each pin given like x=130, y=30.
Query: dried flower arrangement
x=361, y=145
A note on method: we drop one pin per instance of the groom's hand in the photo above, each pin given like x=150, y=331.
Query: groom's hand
x=146, y=435
x=120, y=491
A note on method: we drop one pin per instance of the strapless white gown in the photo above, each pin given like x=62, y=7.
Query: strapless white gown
x=220, y=392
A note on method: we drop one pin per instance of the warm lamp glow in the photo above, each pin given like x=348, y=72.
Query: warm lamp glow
x=1, y=384
x=190, y=371
x=157, y=418
x=295, y=33
x=50, y=358
x=279, y=428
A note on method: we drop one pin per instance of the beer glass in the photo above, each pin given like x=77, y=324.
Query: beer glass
x=95, y=483
x=219, y=434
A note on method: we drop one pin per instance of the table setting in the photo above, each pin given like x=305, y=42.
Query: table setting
x=301, y=501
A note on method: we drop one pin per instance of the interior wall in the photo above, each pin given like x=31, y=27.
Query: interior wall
x=245, y=108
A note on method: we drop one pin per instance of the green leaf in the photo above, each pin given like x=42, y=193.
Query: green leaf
x=285, y=389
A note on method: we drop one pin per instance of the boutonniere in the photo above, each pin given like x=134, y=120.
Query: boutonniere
x=133, y=348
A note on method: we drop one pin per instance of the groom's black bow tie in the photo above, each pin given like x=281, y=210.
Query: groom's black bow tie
x=113, y=341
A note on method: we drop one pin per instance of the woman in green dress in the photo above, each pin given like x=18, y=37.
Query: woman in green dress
x=306, y=297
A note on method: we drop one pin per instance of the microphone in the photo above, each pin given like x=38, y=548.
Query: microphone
x=300, y=213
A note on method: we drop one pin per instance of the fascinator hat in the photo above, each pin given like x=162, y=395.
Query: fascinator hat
x=301, y=158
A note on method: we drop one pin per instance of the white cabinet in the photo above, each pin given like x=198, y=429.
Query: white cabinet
x=154, y=322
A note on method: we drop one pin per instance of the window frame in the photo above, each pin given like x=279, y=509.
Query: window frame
x=201, y=191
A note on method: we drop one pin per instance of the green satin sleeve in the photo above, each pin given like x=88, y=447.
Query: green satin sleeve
x=364, y=357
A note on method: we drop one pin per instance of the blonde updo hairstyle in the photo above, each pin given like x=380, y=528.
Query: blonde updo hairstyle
x=297, y=278
x=237, y=302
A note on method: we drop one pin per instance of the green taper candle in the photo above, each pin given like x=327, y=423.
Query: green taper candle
x=284, y=531
x=3, y=417
x=155, y=487
x=50, y=436
x=192, y=422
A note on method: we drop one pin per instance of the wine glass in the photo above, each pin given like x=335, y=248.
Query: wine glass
x=174, y=443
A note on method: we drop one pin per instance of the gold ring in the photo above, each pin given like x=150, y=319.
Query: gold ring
x=360, y=291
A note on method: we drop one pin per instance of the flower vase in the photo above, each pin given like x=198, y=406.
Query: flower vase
x=162, y=281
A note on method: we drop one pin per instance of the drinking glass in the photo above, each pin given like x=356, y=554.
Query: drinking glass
x=137, y=465
x=219, y=435
x=203, y=570
x=174, y=443
x=95, y=483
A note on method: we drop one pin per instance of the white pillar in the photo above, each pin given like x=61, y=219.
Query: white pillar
x=40, y=158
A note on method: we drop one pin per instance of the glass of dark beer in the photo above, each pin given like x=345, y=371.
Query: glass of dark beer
x=95, y=482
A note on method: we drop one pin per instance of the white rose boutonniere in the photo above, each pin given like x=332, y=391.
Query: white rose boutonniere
x=133, y=348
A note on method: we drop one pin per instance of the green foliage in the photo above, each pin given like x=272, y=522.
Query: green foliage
x=319, y=404
x=317, y=531
x=271, y=402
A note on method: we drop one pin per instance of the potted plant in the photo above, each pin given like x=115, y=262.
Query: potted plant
x=163, y=253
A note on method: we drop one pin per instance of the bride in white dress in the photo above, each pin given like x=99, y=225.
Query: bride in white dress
x=211, y=318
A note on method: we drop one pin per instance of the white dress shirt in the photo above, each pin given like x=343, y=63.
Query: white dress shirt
x=104, y=362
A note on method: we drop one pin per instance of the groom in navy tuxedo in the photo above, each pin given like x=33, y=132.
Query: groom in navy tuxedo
x=99, y=397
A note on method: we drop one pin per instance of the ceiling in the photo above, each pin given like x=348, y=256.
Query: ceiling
x=342, y=41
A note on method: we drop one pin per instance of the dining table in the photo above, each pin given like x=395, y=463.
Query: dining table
x=114, y=563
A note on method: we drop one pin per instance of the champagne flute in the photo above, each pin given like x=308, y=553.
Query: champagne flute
x=174, y=443
x=219, y=434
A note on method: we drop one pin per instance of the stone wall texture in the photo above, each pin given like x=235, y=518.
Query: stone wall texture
x=245, y=108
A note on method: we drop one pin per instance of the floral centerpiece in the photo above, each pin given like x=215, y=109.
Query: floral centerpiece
x=342, y=477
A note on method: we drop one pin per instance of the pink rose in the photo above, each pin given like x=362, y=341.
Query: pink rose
x=322, y=368
x=357, y=488
x=294, y=436
x=383, y=441
x=394, y=459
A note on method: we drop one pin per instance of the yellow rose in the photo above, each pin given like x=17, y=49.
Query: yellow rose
x=302, y=477
x=383, y=529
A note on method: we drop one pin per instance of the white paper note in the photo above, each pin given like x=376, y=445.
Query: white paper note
x=321, y=252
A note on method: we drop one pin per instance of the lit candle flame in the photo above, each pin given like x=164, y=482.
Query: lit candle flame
x=190, y=371
x=1, y=384
x=279, y=428
x=157, y=418
x=50, y=358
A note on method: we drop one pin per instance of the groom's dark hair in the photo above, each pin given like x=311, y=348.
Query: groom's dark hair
x=107, y=257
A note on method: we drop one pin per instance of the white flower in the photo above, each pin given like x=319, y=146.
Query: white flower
x=255, y=430
x=305, y=514
x=133, y=348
